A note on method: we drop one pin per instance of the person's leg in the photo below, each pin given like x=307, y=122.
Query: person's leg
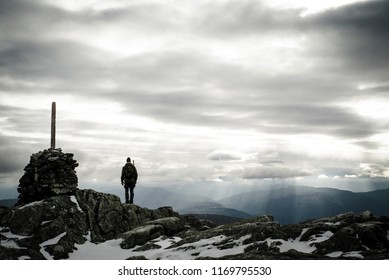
x=132, y=194
x=126, y=193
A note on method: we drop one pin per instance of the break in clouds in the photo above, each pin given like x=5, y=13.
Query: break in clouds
x=197, y=91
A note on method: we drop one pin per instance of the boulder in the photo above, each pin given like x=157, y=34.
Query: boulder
x=372, y=235
x=345, y=240
x=171, y=225
x=141, y=235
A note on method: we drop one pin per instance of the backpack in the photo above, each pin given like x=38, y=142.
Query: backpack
x=129, y=172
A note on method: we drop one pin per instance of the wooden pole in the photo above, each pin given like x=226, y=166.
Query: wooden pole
x=53, y=117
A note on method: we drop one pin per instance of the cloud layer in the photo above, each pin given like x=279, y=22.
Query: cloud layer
x=210, y=90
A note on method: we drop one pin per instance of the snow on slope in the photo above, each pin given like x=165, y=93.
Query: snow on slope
x=163, y=248
x=111, y=249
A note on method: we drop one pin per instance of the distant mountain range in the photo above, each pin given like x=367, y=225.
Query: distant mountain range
x=8, y=202
x=288, y=205
x=184, y=204
x=297, y=203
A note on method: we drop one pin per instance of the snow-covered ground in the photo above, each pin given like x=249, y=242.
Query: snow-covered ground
x=204, y=248
x=163, y=249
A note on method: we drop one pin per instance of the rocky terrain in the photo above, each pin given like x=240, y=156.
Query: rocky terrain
x=94, y=225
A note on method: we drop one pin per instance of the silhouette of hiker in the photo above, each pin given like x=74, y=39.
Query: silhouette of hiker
x=129, y=178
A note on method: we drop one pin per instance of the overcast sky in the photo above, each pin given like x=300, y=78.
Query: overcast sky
x=197, y=91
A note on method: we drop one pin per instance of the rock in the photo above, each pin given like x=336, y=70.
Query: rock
x=106, y=215
x=139, y=258
x=193, y=223
x=343, y=240
x=140, y=235
x=372, y=235
x=171, y=225
x=5, y=214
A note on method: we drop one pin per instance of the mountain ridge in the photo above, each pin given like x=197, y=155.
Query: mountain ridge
x=297, y=203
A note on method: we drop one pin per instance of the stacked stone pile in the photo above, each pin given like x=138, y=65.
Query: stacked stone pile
x=50, y=172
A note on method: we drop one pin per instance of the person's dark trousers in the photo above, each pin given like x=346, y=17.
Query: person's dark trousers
x=129, y=186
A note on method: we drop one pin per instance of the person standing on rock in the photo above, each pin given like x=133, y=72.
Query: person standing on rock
x=128, y=179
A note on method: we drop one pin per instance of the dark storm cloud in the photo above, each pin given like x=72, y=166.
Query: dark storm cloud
x=13, y=156
x=358, y=36
x=59, y=61
x=369, y=17
x=34, y=19
x=351, y=39
x=26, y=18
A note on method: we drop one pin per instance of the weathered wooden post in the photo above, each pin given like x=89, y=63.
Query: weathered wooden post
x=53, y=117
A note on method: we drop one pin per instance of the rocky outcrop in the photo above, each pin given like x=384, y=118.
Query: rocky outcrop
x=358, y=236
x=50, y=172
x=52, y=227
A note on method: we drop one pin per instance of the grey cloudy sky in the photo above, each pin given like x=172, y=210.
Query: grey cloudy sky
x=198, y=91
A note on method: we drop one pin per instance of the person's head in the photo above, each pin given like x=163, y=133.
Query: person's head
x=128, y=159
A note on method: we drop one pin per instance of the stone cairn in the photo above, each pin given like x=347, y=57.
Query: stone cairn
x=49, y=173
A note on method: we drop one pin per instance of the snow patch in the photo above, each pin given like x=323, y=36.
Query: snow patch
x=335, y=254
x=10, y=244
x=332, y=224
x=298, y=245
x=45, y=222
x=321, y=237
x=353, y=254
x=50, y=242
x=31, y=204
x=74, y=200
x=24, y=258
x=8, y=234
x=109, y=250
